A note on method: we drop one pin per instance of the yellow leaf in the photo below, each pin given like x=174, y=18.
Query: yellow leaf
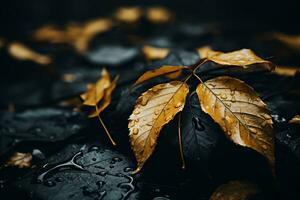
x=155, y=53
x=154, y=108
x=96, y=92
x=292, y=41
x=240, y=112
x=235, y=190
x=295, y=120
x=20, y=160
x=158, y=15
x=106, y=100
x=242, y=58
x=21, y=52
x=128, y=14
x=286, y=70
x=164, y=70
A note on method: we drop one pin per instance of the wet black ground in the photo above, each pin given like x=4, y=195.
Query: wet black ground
x=74, y=160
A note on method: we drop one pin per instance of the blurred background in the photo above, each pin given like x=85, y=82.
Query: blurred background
x=18, y=16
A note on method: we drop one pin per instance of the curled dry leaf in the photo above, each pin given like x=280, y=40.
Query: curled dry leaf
x=158, y=15
x=155, y=53
x=154, y=108
x=128, y=14
x=240, y=112
x=20, y=160
x=172, y=71
x=21, y=52
x=295, y=120
x=106, y=99
x=235, y=190
x=242, y=58
x=286, y=70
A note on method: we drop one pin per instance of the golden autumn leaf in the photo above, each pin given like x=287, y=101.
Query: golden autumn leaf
x=240, y=112
x=20, y=160
x=158, y=15
x=95, y=92
x=100, y=93
x=128, y=14
x=164, y=70
x=106, y=99
x=21, y=52
x=286, y=70
x=295, y=120
x=155, y=53
x=235, y=190
x=242, y=58
x=154, y=108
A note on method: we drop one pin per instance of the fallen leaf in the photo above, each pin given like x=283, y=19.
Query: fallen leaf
x=95, y=91
x=69, y=78
x=242, y=58
x=235, y=190
x=154, y=108
x=292, y=41
x=107, y=98
x=20, y=160
x=164, y=70
x=155, y=53
x=158, y=15
x=286, y=70
x=21, y=52
x=295, y=120
x=240, y=112
x=128, y=14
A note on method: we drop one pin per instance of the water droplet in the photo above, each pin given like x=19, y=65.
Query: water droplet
x=197, y=124
x=178, y=105
x=156, y=111
x=169, y=117
x=136, y=112
x=117, y=159
x=131, y=123
x=94, y=148
x=135, y=131
x=49, y=183
x=100, y=183
x=223, y=96
x=264, y=146
x=94, y=159
x=127, y=169
x=102, y=173
x=144, y=101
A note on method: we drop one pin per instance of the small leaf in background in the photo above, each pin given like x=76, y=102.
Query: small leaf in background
x=295, y=120
x=158, y=15
x=240, y=112
x=164, y=70
x=77, y=35
x=291, y=41
x=154, y=108
x=69, y=78
x=128, y=14
x=20, y=160
x=286, y=70
x=235, y=190
x=155, y=53
x=242, y=58
x=22, y=52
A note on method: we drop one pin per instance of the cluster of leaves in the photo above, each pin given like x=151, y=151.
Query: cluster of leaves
x=230, y=102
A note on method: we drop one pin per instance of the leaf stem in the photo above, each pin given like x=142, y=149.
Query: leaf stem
x=104, y=127
x=180, y=142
